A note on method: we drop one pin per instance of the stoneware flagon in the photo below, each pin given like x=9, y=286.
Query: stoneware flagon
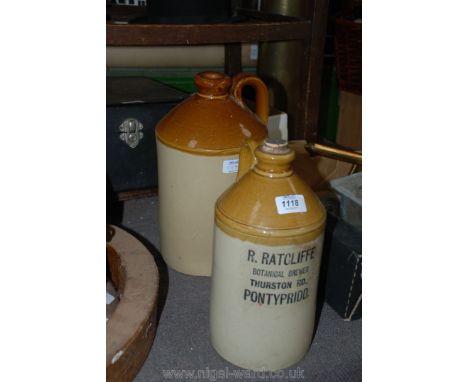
x=198, y=146
x=268, y=239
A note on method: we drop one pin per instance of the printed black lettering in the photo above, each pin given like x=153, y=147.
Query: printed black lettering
x=251, y=256
x=272, y=259
x=310, y=253
x=281, y=255
x=275, y=298
x=292, y=259
x=261, y=298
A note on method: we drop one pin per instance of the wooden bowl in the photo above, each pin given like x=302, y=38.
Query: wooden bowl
x=132, y=326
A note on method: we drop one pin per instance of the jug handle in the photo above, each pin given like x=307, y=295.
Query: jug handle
x=247, y=158
x=261, y=93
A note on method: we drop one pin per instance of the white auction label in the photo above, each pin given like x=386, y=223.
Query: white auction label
x=230, y=166
x=288, y=204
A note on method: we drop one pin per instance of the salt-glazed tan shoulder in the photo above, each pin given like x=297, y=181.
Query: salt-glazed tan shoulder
x=268, y=240
x=198, y=144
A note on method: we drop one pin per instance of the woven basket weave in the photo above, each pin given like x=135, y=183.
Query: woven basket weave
x=348, y=49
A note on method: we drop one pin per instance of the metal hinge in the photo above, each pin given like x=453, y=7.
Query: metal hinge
x=130, y=132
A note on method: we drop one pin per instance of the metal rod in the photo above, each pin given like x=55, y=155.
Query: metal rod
x=334, y=153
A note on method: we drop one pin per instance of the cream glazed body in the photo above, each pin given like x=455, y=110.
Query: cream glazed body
x=187, y=191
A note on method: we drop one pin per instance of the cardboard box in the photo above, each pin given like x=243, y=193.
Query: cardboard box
x=317, y=171
x=349, y=130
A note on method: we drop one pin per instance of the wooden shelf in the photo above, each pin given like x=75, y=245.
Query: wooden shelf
x=259, y=27
x=188, y=34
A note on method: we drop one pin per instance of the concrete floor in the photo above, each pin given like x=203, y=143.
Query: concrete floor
x=182, y=339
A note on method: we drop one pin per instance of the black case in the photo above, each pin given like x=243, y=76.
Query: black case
x=189, y=11
x=342, y=268
x=135, y=102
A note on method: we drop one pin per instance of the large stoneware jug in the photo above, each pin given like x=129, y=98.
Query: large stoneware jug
x=267, y=250
x=198, y=146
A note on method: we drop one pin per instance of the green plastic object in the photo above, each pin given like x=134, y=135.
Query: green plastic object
x=181, y=83
x=178, y=78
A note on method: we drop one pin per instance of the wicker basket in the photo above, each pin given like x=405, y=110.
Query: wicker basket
x=348, y=48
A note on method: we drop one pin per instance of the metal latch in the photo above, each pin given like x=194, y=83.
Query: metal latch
x=130, y=132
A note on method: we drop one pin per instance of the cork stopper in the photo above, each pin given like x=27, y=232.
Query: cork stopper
x=275, y=146
x=213, y=83
x=274, y=158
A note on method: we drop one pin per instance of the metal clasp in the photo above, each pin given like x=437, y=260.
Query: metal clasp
x=130, y=132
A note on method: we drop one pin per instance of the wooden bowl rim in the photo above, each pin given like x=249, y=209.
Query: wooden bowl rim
x=138, y=299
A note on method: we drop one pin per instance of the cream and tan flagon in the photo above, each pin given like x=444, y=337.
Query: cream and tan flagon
x=267, y=249
x=198, y=146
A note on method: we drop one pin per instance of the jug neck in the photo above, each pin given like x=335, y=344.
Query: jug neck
x=212, y=85
x=274, y=158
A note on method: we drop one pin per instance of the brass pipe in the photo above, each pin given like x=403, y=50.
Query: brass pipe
x=334, y=153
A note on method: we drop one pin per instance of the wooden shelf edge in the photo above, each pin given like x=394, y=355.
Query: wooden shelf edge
x=188, y=34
